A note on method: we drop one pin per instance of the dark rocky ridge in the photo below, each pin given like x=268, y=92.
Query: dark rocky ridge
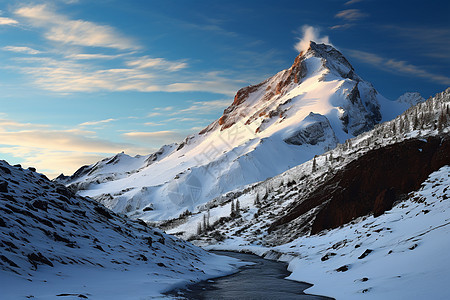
x=370, y=184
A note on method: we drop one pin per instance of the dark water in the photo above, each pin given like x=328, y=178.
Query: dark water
x=262, y=280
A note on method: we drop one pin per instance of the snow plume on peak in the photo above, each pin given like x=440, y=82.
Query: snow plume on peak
x=310, y=34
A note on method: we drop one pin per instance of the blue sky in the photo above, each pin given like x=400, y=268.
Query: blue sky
x=81, y=80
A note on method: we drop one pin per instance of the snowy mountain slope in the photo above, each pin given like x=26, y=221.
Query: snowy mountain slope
x=323, y=193
x=402, y=254
x=397, y=249
x=270, y=127
x=54, y=243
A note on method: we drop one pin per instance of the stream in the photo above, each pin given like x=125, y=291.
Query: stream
x=264, y=279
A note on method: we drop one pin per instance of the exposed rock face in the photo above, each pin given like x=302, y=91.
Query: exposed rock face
x=318, y=131
x=372, y=183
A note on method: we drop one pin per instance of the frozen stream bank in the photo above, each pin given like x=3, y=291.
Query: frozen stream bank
x=263, y=279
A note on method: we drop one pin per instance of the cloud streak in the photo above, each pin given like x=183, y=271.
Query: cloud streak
x=60, y=28
x=69, y=76
x=157, y=63
x=351, y=15
x=93, y=123
x=431, y=42
x=18, y=49
x=352, y=2
x=55, y=151
x=397, y=66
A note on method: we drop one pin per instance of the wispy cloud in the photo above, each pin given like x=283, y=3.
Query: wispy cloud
x=18, y=49
x=71, y=76
x=165, y=108
x=60, y=28
x=51, y=162
x=55, y=151
x=397, y=66
x=153, y=124
x=89, y=56
x=211, y=25
x=8, y=21
x=351, y=15
x=157, y=63
x=352, y=2
x=153, y=114
x=190, y=113
x=155, y=138
x=94, y=71
x=7, y=123
x=58, y=139
x=93, y=123
x=205, y=107
x=74, y=75
x=429, y=41
x=341, y=26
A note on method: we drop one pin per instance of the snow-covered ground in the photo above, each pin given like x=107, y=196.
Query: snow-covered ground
x=402, y=254
x=282, y=191
x=128, y=282
x=55, y=243
x=416, y=230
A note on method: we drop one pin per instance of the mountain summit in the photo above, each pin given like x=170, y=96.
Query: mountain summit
x=270, y=127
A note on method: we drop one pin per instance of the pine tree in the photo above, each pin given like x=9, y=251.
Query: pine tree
x=442, y=121
x=232, y=208
x=199, y=228
x=314, y=164
x=238, y=206
x=205, y=228
x=256, y=202
x=207, y=219
x=415, y=121
x=401, y=126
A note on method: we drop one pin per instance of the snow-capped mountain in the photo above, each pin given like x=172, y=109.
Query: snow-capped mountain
x=270, y=127
x=364, y=175
x=368, y=217
x=410, y=99
x=54, y=243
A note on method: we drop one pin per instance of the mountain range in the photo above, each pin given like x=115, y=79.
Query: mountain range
x=312, y=166
x=269, y=128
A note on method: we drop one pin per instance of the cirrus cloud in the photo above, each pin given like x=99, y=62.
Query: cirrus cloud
x=19, y=49
x=351, y=14
x=397, y=66
x=60, y=28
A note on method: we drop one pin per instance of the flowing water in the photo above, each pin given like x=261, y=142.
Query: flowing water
x=264, y=279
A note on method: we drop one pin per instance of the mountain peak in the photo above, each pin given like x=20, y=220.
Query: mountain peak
x=318, y=58
x=299, y=112
x=410, y=98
